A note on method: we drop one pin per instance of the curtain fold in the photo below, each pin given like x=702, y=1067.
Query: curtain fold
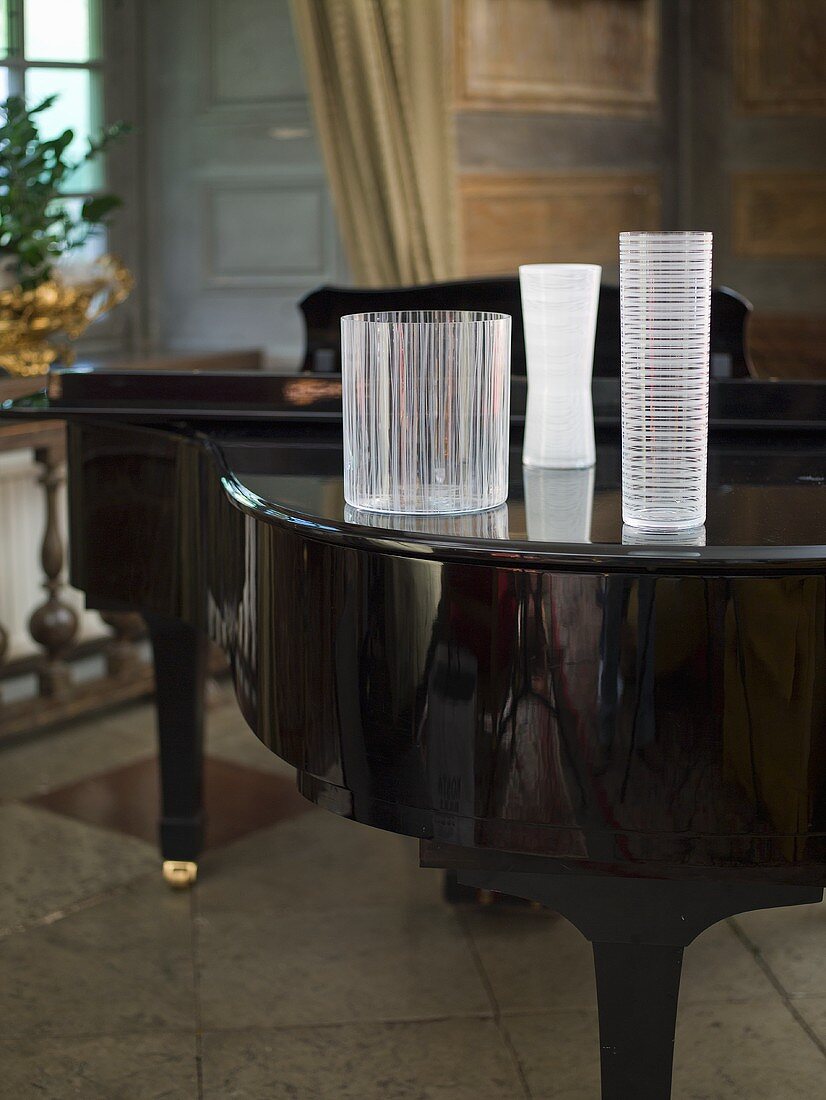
x=378, y=77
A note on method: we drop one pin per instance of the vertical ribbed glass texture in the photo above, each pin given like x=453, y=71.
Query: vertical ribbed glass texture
x=559, y=311
x=665, y=313
x=426, y=397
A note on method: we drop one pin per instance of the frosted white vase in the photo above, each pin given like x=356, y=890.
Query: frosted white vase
x=559, y=312
x=665, y=315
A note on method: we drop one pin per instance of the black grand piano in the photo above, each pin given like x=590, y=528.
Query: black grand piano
x=630, y=731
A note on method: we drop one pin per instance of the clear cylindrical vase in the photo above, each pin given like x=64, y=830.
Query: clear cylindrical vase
x=559, y=312
x=665, y=315
x=426, y=402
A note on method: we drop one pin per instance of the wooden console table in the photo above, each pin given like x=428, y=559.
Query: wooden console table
x=53, y=624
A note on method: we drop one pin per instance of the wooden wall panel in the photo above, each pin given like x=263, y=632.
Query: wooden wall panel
x=598, y=56
x=512, y=219
x=779, y=214
x=780, y=56
x=788, y=346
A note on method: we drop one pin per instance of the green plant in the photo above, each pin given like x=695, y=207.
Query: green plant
x=36, y=225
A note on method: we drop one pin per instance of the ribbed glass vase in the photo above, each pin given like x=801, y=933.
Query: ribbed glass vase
x=665, y=315
x=426, y=400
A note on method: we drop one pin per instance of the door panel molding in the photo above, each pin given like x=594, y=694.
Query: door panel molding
x=779, y=214
x=275, y=233
x=244, y=62
x=510, y=219
x=596, y=56
x=780, y=57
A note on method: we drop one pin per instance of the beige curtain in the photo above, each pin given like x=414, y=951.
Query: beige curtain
x=379, y=83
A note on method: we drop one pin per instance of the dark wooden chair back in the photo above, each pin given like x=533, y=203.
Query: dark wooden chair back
x=324, y=308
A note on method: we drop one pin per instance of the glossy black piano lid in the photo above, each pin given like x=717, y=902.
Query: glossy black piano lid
x=766, y=505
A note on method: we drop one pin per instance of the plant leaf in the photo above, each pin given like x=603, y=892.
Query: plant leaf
x=95, y=209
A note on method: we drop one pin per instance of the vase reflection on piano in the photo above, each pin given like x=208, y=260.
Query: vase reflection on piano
x=492, y=523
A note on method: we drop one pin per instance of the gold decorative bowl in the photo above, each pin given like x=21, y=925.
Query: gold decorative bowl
x=37, y=325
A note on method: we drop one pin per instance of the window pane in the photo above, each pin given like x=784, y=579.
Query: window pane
x=4, y=85
x=76, y=109
x=4, y=27
x=59, y=30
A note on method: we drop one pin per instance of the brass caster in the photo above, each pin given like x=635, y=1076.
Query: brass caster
x=179, y=873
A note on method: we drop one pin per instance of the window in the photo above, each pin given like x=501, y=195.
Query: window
x=50, y=47
x=83, y=50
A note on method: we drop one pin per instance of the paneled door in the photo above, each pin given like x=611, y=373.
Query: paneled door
x=241, y=224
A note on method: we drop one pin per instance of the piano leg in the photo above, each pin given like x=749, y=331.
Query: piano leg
x=180, y=669
x=637, y=989
x=638, y=929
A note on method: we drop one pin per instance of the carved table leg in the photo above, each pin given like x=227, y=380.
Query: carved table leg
x=122, y=657
x=54, y=623
x=638, y=929
x=180, y=670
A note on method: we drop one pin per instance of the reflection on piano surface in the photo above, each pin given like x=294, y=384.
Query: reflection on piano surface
x=490, y=524
x=558, y=504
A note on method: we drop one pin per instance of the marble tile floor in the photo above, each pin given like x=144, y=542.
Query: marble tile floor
x=314, y=959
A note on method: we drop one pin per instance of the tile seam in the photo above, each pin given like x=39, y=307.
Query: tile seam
x=497, y=1012
x=782, y=992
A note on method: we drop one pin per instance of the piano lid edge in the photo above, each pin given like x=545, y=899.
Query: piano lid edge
x=578, y=558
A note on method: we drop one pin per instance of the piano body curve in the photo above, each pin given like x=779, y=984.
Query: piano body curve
x=652, y=712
